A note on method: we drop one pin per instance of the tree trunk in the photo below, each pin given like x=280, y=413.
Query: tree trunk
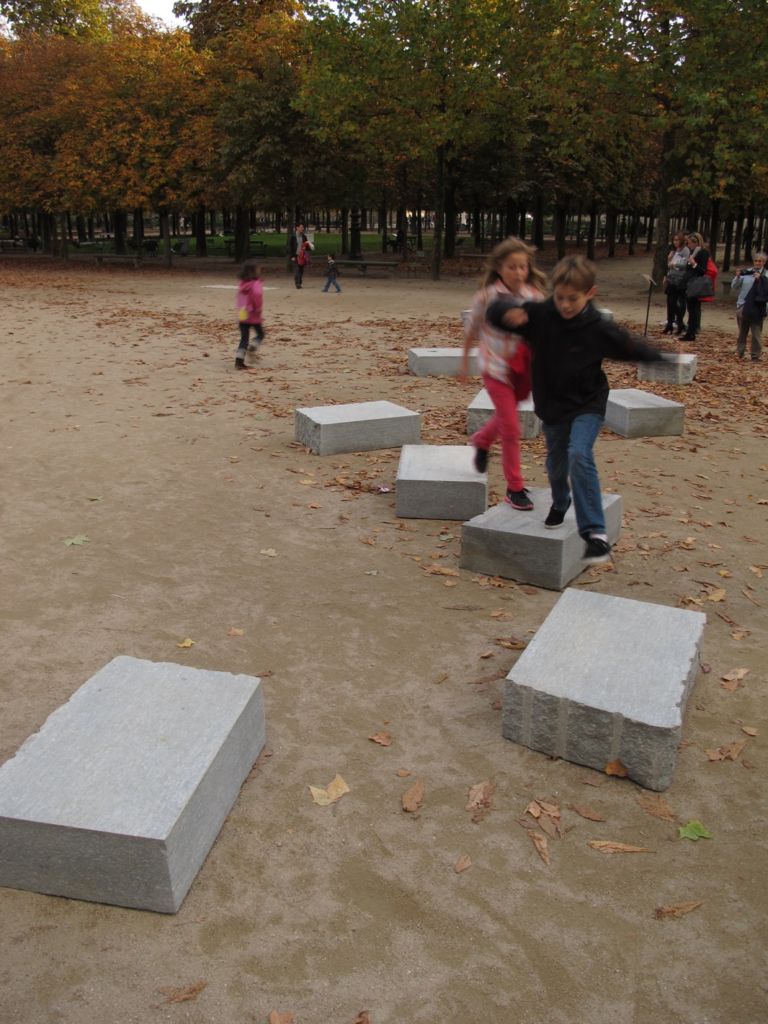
x=242, y=234
x=592, y=232
x=727, y=242
x=610, y=231
x=714, y=229
x=355, y=228
x=120, y=221
x=449, y=247
x=201, y=243
x=737, y=236
x=165, y=238
x=749, y=233
x=538, y=222
x=561, y=216
x=344, y=214
x=437, y=238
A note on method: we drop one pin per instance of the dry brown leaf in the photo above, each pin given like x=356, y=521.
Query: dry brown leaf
x=749, y=730
x=533, y=809
x=676, y=909
x=728, y=752
x=412, y=798
x=234, y=631
x=439, y=570
x=334, y=791
x=731, y=686
x=606, y=846
x=616, y=768
x=586, y=812
x=487, y=654
x=511, y=644
x=186, y=643
x=275, y=1017
x=464, y=862
x=183, y=995
x=441, y=678
x=362, y=1018
x=717, y=595
x=383, y=738
x=553, y=810
x=658, y=807
x=757, y=570
x=549, y=826
x=735, y=675
x=541, y=843
x=480, y=800
x=402, y=773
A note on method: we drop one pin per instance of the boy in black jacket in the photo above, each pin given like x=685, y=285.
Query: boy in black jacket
x=569, y=340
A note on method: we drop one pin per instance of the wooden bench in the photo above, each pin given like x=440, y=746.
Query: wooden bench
x=258, y=249
x=116, y=257
x=363, y=264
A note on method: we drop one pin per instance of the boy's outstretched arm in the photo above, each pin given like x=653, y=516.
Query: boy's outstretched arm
x=507, y=314
x=629, y=348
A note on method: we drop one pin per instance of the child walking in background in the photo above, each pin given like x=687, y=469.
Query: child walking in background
x=569, y=340
x=249, y=303
x=331, y=273
x=504, y=360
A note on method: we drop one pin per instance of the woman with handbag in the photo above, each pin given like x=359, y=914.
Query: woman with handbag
x=674, y=284
x=698, y=284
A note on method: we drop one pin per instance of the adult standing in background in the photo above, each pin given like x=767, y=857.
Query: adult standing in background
x=677, y=272
x=752, y=283
x=299, y=247
x=697, y=267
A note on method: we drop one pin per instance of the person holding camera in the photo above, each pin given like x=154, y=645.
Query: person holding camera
x=752, y=283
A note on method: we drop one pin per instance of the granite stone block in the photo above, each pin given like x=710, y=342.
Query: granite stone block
x=440, y=362
x=606, y=678
x=516, y=545
x=481, y=408
x=439, y=482
x=357, y=427
x=635, y=413
x=677, y=368
x=120, y=795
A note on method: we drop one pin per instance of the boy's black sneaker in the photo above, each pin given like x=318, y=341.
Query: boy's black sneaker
x=520, y=500
x=240, y=364
x=597, y=551
x=555, y=518
x=481, y=459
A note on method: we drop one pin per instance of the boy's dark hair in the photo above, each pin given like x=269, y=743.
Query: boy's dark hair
x=576, y=272
x=331, y=255
x=250, y=271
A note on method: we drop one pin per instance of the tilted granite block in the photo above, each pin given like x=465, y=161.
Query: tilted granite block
x=676, y=368
x=439, y=482
x=465, y=316
x=635, y=413
x=357, y=427
x=481, y=408
x=517, y=545
x=440, y=362
x=120, y=795
x=604, y=679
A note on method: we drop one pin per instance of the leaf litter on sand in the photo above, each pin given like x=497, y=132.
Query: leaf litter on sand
x=185, y=994
x=480, y=800
x=657, y=806
x=276, y=1017
x=383, y=738
x=541, y=845
x=462, y=864
x=694, y=830
x=413, y=797
x=676, y=909
x=607, y=846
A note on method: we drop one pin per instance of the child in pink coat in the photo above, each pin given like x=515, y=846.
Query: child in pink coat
x=249, y=304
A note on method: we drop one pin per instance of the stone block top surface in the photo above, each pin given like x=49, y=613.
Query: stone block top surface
x=126, y=752
x=616, y=654
x=439, y=462
x=636, y=398
x=354, y=412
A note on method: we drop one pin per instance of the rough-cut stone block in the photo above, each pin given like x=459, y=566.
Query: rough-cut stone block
x=516, y=545
x=121, y=794
x=465, y=315
x=440, y=362
x=634, y=413
x=676, y=368
x=439, y=482
x=357, y=427
x=606, y=678
x=481, y=408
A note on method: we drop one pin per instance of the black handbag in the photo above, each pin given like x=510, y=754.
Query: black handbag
x=700, y=287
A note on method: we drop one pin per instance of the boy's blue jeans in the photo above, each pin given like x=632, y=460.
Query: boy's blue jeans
x=570, y=458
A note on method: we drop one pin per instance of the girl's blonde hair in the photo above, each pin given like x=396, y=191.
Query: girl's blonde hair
x=697, y=239
x=507, y=248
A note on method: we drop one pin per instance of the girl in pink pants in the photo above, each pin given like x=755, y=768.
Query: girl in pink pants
x=504, y=360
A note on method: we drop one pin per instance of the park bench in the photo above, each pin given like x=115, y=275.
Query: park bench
x=258, y=249
x=115, y=257
x=363, y=264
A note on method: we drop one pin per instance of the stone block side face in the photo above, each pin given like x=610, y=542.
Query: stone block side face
x=480, y=410
x=634, y=413
x=196, y=830
x=681, y=370
x=430, y=499
x=440, y=362
x=307, y=431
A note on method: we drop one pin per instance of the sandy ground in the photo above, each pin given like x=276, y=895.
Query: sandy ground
x=119, y=385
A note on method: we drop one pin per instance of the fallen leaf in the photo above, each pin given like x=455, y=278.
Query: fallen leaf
x=187, y=643
x=487, y=654
x=269, y=552
x=658, y=807
x=440, y=679
x=541, y=843
x=234, y=631
x=606, y=846
x=383, y=738
x=79, y=539
x=334, y=791
x=480, y=799
x=275, y=1017
x=615, y=768
x=716, y=595
x=676, y=909
x=402, y=773
x=512, y=644
x=749, y=730
x=586, y=812
x=362, y=1018
x=183, y=995
x=533, y=809
x=412, y=798
x=462, y=864
x=439, y=570
x=735, y=675
x=694, y=830
x=728, y=752
x=757, y=570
